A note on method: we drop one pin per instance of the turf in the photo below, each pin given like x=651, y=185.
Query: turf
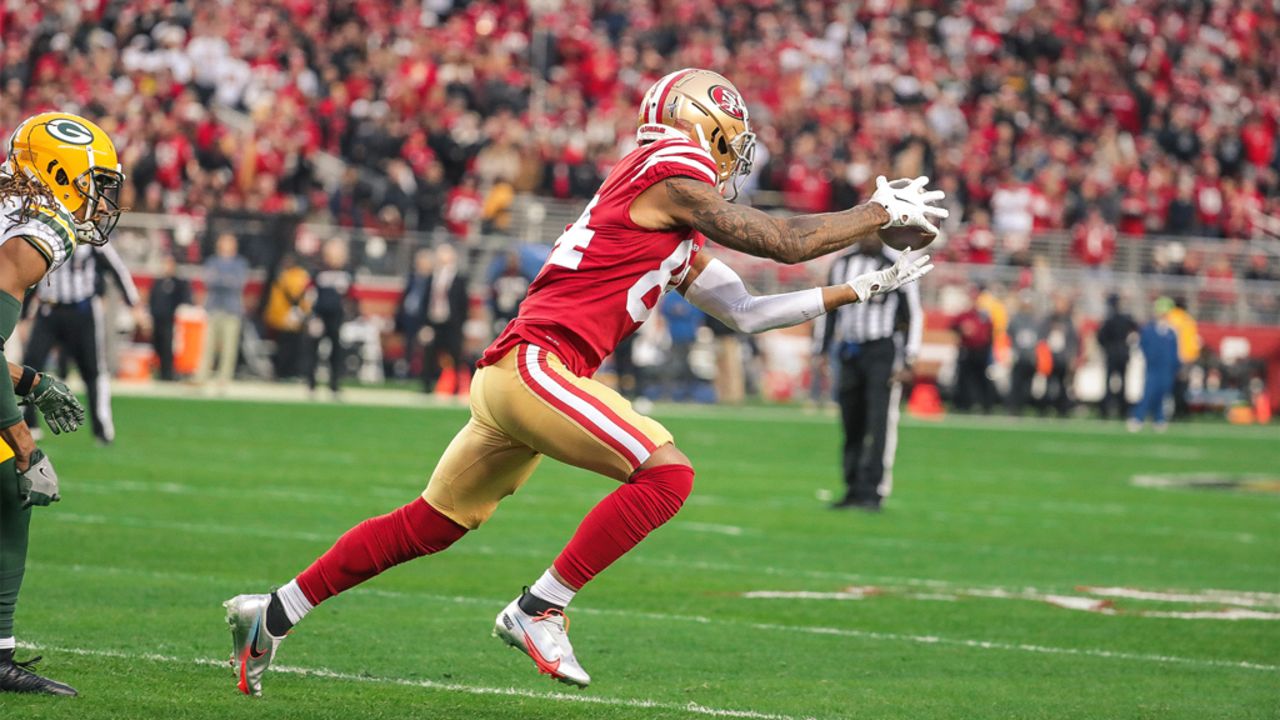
x=201, y=500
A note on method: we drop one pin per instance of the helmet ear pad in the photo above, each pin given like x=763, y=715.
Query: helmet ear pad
x=717, y=138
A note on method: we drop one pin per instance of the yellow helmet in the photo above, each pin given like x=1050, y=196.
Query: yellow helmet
x=707, y=108
x=76, y=161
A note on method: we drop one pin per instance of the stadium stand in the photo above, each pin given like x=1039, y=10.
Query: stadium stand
x=398, y=124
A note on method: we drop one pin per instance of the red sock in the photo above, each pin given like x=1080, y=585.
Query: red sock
x=621, y=520
x=376, y=544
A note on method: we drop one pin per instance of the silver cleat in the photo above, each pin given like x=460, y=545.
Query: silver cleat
x=545, y=639
x=252, y=647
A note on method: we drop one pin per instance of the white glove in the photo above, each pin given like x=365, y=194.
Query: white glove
x=868, y=285
x=908, y=204
x=38, y=485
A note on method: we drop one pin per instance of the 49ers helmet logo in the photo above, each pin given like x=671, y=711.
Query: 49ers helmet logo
x=728, y=101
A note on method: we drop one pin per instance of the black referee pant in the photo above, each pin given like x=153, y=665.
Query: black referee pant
x=866, y=398
x=76, y=329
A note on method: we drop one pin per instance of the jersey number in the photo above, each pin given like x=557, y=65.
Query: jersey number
x=569, y=248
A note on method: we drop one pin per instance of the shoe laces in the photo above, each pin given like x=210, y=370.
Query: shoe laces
x=28, y=664
x=553, y=615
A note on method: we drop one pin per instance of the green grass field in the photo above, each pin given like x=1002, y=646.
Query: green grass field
x=951, y=614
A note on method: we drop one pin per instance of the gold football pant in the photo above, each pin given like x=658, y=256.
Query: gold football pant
x=527, y=405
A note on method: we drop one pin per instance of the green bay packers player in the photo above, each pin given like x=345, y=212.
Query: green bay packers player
x=534, y=395
x=59, y=186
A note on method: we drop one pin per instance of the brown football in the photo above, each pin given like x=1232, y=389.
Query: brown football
x=905, y=238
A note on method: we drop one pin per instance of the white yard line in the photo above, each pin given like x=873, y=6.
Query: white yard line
x=1096, y=601
x=690, y=708
x=1230, y=597
x=1022, y=647
x=704, y=527
x=729, y=622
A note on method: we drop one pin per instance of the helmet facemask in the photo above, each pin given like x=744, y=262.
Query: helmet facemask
x=101, y=190
x=743, y=147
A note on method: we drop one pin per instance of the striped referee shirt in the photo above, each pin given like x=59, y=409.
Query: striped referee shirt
x=877, y=319
x=80, y=278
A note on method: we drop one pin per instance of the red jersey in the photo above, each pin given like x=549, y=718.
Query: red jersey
x=606, y=274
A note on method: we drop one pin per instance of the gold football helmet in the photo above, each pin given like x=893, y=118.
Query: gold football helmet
x=707, y=108
x=76, y=161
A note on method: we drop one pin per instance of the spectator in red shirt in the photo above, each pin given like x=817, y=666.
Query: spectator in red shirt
x=977, y=245
x=975, y=333
x=1259, y=139
x=1094, y=241
x=807, y=185
x=463, y=208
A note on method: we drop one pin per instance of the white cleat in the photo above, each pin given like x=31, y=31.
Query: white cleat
x=252, y=647
x=545, y=639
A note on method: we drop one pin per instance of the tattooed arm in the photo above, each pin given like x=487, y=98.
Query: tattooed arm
x=681, y=201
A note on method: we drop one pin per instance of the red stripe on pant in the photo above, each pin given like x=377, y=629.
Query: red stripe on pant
x=622, y=519
x=377, y=544
x=546, y=393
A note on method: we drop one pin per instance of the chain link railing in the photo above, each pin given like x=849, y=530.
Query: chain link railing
x=379, y=257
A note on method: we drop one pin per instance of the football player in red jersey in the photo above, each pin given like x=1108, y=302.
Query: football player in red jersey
x=640, y=236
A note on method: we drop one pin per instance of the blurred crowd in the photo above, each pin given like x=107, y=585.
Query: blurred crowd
x=1160, y=114
x=1105, y=121
x=1019, y=352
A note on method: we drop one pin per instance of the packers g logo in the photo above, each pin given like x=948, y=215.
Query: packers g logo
x=728, y=101
x=69, y=131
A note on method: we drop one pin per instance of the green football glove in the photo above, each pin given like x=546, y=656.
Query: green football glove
x=39, y=484
x=61, y=410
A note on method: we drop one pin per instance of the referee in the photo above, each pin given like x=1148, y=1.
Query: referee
x=69, y=317
x=873, y=357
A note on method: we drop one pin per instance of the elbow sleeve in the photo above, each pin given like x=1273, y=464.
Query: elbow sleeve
x=719, y=292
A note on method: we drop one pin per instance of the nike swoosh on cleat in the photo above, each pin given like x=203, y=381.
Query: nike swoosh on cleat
x=253, y=642
x=550, y=668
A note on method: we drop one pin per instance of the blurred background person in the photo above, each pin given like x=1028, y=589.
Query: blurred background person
x=730, y=383
x=69, y=318
x=876, y=344
x=1094, y=241
x=285, y=312
x=1114, y=337
x=1188, y=353
x=629, y=374
x=1024, y=343
x=507, y=288
x=225, y=274
x=328, y=298
x=447, y=306
x=976, y=335
x=683, y=321
x=168, y=293
x=1060, y=337
x=1159, y=343
x=411, y=311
